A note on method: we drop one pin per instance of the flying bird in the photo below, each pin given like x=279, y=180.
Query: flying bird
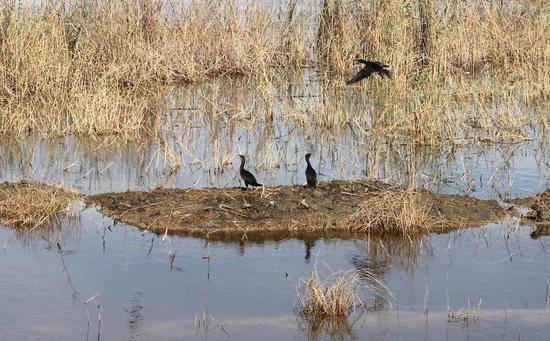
x=370, y=68
x=311, y=175
x=249, y=179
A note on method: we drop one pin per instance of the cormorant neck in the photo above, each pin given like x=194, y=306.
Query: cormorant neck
x=307, y=160
x=242, y=164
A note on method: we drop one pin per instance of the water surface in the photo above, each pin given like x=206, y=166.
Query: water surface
x=148, y=287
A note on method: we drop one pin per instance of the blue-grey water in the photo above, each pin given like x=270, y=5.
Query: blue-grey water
x=150, y=288
x=92, y=279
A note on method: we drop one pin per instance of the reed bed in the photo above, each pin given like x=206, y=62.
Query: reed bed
x=102, y=67
x=31, y=206
x=435, y=39
x=97, y=67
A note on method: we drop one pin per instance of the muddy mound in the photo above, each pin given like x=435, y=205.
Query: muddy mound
x=291, y=210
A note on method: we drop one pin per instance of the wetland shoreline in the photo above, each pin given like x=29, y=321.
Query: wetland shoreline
x=293, y=211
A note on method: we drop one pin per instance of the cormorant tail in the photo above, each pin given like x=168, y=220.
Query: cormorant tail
x=385, y=72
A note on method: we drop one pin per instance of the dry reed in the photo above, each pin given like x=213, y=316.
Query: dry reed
x=338, y=297
x=326, y=306
x=102, y=67
x=465, y=315
x=31, y=206
x=96, y=67
x=393, y=211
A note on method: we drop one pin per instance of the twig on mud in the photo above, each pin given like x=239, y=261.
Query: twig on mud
x=350, y=194
x=146, y=206
x=230, y=196
x=207, y=235
x=151, y=224
x=234, y=211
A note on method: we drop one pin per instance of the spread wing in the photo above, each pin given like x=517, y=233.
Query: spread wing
x=364, y=73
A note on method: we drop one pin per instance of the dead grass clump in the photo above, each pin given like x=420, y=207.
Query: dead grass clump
x=326, y=306
x=394, y=211
x=336, y=298
x=465, y=315
x=30, y=205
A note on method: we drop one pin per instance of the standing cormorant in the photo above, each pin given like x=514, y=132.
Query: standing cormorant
x=249, y=179
x=311, y=175
x=370, y=68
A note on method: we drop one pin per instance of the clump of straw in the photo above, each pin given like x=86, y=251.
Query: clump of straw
x=339, y=296
x=394, y=211
x=30, y=205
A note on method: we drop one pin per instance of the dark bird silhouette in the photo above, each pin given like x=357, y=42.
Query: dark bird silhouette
x=249, y=179
x=370, y=68
x=311, y=175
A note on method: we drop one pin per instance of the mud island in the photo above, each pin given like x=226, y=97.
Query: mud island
x=293, y=210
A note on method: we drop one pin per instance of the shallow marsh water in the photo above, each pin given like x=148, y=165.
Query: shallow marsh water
x=174, y=288
x=486, y=171
x=149, y=288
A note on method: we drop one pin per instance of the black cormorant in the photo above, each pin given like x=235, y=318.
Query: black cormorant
x=249, y=179
x=370, y=68
x=311, y=175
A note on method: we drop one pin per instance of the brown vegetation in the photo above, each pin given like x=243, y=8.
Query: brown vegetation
x=337, y=298
x=331, y=306
x=396, y=211
x=97, y=67
x=30, y=205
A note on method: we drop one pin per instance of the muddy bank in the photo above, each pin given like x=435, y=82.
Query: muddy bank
x=539, y=214
x=280, y=210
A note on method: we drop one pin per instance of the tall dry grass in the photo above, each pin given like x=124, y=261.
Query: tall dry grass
x=453, y=63
x=95, y=67
x=98, y=67
x=445, y=37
